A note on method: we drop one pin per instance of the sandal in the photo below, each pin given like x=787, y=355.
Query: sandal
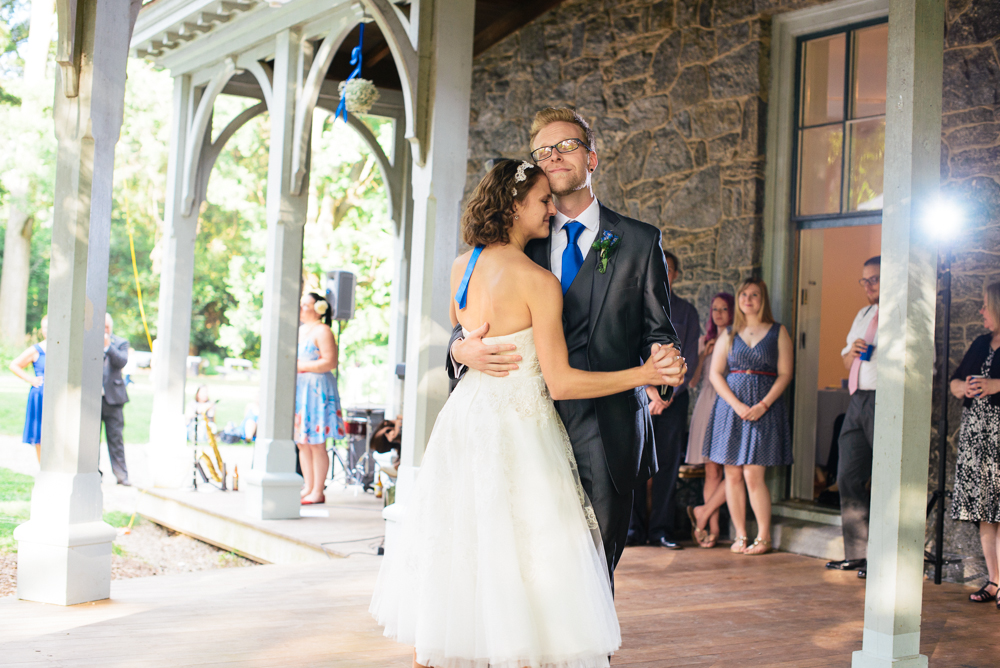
x=699, y=536
x=983, y=596
x=758, y=541
x=709, y=541
x=739, y=545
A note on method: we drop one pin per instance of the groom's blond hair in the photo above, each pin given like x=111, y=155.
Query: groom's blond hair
x=551, y=115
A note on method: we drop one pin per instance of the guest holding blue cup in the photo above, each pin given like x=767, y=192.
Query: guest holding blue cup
x=976, y=495
x=856, y=441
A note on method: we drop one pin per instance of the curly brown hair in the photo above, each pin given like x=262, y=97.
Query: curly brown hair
x=489, y=213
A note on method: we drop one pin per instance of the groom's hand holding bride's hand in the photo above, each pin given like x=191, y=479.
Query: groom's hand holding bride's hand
x=670, y=365
x=491, y=360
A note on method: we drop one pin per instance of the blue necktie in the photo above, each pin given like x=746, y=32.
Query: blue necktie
x=572, y=258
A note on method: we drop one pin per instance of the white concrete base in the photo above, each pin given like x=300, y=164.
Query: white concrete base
x=392, y=515
x=864, y=660
x=272, y=496
x=64, y=550
x=77, y=571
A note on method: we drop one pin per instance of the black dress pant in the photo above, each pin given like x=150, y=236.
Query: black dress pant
x=113, y=417
x=611, y=507
x=854, y=472
x=670, y=434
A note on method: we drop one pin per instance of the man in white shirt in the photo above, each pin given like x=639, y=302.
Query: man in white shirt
x=854, y=469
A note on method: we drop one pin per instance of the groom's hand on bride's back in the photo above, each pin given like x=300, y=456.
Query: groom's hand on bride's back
x=671, y=365
x=494, y=360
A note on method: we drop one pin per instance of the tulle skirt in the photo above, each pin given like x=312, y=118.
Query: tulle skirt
x=496, y=564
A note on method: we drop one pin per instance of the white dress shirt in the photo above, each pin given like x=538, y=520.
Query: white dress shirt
x=590, y=218
x=869, y=370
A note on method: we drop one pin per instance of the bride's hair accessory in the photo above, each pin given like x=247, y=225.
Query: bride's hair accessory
x=521, y=176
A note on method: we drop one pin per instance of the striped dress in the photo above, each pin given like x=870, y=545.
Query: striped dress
x=734, y=441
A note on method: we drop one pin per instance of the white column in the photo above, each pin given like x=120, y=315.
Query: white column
x=438, y=186
x=906, y=334
x=401, y=274
x=169, y=456
x=272, y=487
x=64, y=550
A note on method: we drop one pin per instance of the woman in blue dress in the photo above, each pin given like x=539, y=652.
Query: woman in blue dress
x=749, y=428
x=317, y=402
x=35, y=355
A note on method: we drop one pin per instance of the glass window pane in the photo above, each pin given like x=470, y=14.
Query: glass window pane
x=866, y=151
x=819, y=170
x=823, y=80
x=871, y=50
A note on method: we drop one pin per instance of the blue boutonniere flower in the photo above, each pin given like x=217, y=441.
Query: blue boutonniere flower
x=605, y=244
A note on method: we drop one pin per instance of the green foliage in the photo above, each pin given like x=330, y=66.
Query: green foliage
x=15, y=486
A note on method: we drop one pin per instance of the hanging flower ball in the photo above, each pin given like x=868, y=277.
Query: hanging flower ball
x=359, y=95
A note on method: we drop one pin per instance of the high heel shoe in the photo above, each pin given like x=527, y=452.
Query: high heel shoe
x=739, y=545
x=982, y=595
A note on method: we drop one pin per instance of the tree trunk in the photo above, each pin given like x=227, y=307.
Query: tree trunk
x=15, y=275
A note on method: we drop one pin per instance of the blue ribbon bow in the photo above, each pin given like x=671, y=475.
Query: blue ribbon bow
x=356, y=61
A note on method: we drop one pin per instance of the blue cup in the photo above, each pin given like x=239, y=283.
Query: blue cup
x=867, y=355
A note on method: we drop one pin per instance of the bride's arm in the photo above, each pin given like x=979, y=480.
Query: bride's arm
x=545, y=303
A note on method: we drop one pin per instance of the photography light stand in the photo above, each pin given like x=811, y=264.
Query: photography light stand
x=938, y=497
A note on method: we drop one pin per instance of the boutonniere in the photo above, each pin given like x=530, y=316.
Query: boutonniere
x=607, y=242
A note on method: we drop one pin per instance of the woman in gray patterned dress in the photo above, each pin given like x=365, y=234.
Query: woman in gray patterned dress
x=749, y=428
x=976, y=496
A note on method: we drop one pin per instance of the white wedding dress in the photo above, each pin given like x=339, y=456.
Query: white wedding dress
x=496, y=563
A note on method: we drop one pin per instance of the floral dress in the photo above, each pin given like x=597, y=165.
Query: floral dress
x=317, y=402
x=976, y=497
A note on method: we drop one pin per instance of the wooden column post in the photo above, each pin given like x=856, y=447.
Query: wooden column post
x=167, y=436
x=272, y=487
x=445, y=40
x=906, y=335
x=64, y=550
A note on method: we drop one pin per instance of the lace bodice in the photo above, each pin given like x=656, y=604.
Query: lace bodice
x=523, y=389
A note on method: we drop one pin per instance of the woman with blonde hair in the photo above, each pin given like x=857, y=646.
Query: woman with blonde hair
x=317, y=401
x=976, y=496
x=749, y=429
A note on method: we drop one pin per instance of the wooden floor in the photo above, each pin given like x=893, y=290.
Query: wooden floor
x=688, y=608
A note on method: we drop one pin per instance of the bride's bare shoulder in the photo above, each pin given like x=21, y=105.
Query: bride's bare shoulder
x=532, y=276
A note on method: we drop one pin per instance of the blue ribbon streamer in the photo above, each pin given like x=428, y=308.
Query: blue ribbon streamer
x=356, y=61
x=463, y=287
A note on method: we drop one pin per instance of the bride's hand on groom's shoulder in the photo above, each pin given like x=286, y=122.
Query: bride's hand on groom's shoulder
x=670, y=366
x=493, y=360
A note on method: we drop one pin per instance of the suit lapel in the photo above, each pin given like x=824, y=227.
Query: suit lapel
x=609, y=222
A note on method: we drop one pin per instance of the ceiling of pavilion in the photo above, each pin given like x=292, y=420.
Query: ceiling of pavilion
x=495, y=19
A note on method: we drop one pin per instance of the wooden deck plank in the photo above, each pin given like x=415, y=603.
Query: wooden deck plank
x=677, y=609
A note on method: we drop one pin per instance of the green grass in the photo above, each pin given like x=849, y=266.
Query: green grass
x=233, y=396
x=15, y=505
x=15, y=508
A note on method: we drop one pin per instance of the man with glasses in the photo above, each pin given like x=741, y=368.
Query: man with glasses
x=615, y=310
x=856, y=436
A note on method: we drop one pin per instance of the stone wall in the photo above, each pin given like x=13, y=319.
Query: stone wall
x=970, y=171
x=677, y=93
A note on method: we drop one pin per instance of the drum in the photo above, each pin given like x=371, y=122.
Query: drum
x=356, y=427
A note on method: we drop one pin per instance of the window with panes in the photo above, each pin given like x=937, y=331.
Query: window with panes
x=840, y=126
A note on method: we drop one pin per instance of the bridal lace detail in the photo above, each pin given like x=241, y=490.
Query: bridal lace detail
x=498, y=560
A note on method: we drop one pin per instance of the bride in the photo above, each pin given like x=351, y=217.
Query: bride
x=499, y=561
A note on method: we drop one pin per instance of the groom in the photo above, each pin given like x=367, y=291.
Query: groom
x=615, y=310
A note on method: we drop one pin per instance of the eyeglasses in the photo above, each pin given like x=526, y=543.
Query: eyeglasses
x=869, y=282
x=565, y=146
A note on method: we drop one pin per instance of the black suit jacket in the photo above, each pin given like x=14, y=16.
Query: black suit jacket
x=114, y=359
x=629, y=312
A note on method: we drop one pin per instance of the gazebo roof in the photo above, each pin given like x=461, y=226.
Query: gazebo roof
x=167, y=28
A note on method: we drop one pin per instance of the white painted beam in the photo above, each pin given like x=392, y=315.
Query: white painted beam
x=906, y=339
